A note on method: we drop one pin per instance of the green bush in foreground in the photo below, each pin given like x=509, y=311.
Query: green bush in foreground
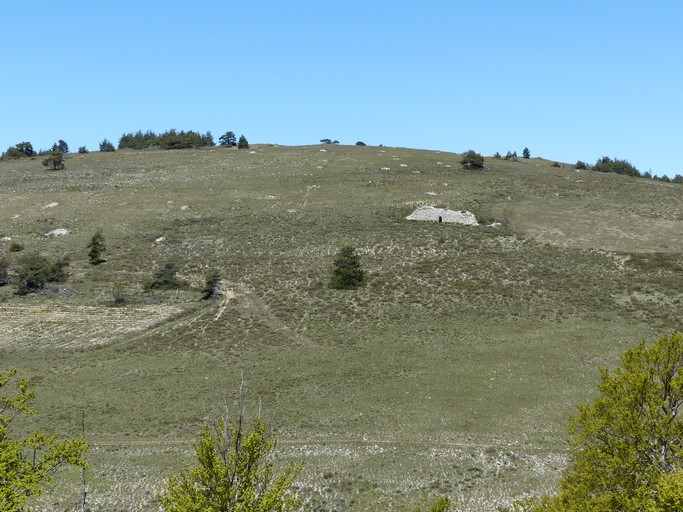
x=233, y=472
x=29, y=463
x=627, y=444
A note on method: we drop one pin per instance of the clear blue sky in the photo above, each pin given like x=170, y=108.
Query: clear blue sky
x=571, y=80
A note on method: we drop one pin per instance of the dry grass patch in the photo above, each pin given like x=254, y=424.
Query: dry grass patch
x=76, y=327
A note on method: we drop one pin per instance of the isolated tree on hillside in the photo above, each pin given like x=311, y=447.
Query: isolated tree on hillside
x=97, y=247
x=54, y=160
x=526, y=153
x=166, y=278
x=212, y=285
x=243, y=143
x=228, y=139
x=347, y=273
x=28, y=463
x=472, y=160
x=107, y=146
x=627, y=444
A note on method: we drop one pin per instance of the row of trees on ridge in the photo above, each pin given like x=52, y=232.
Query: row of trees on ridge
x=170, y=139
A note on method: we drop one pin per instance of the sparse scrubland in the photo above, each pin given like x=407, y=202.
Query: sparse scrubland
x=450, y=372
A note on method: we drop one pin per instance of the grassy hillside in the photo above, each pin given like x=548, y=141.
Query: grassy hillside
x=451, y=372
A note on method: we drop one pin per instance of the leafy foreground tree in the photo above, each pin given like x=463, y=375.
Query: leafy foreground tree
x=233, y=472
x=627, y=445
x=29, y=463
x=347, y=272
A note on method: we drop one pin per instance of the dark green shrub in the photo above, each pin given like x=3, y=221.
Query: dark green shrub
x=472, y=160
x=606, y=164
x=4, y=271
x=106, y=146
x=82, y=150
x=170, y=139
x=361, y=143
x=166, y=279
x=581, y=165
x=243, y=143
x=19, y=151
x=347, y=272
x=16, y=247
x=117, y=295
x=97, y=247
x=212, y=285
x=34, y=271
x=60, y=146
x=227, y=139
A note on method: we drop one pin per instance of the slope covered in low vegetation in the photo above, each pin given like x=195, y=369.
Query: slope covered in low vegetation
x=451, y=371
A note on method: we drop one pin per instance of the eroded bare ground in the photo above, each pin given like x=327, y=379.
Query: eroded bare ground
x=76, y=326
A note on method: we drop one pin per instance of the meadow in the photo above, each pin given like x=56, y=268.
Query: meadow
x=452, y=371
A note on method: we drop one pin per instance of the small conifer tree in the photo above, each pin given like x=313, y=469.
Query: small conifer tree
x=212, y=285
x=347, y=273
x=243, y=143
x=97, y=247
x=107, y=146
